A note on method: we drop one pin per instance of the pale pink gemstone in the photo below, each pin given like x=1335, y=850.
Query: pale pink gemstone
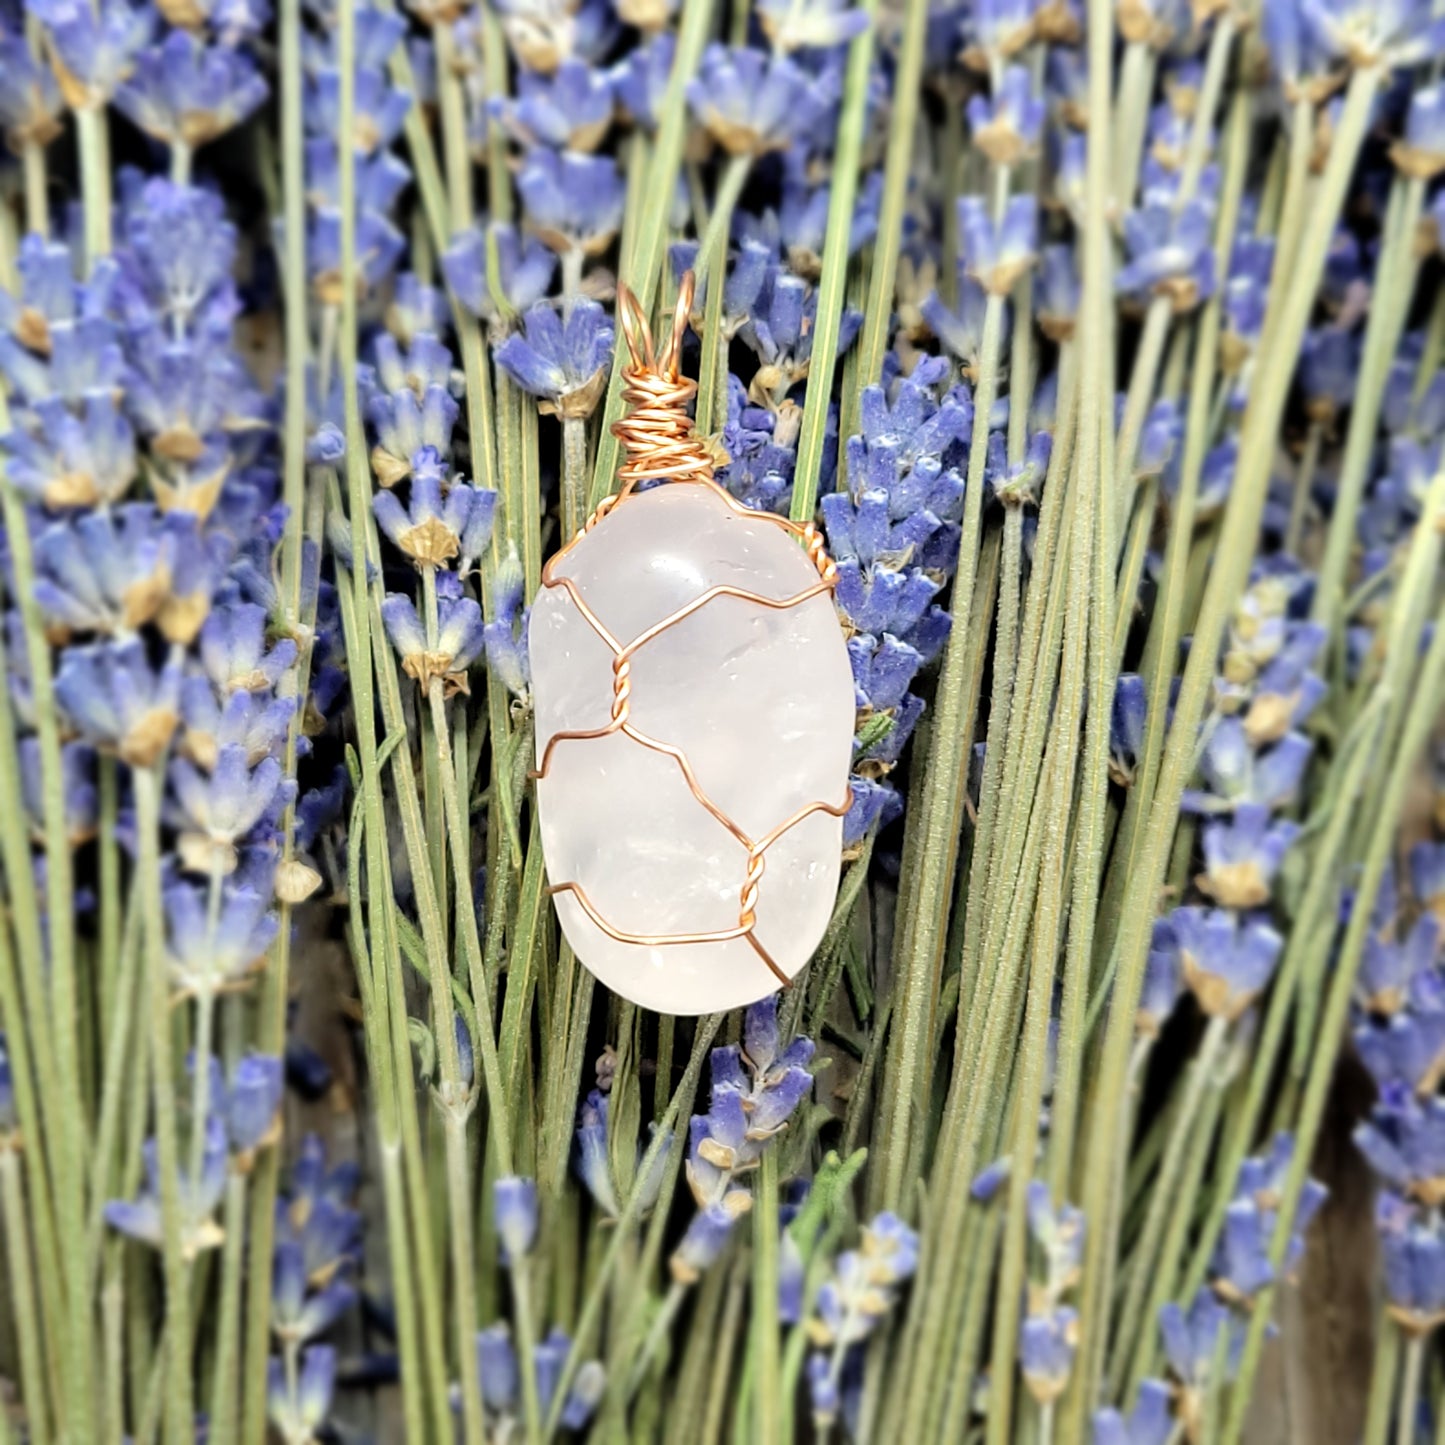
x=760, y=700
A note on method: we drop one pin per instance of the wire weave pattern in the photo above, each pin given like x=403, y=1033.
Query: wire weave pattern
x=662, y=444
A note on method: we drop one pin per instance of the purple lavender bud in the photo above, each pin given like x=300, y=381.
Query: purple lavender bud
x=752, y=103
x=570, y=109
x=1047, y=1344
x=1126, y=726
x=1227, y=960
x=588, y=1386
x=1427, y=875
x=998, y=255
x=640, y=79
x=593, y=1164
x=184, y=92
x=701, y=1247
x=822, y=1389
x=506, y=634
x=7, y=1092
x=77, y=769
x=140, y=1219
x=1169, y=253
x=252, y=1101
x=1190, y=1339
x=514, y=1216
x=1414, y=1260
x=1059, y=1234
x=573, y=202
x=497, y=1369
x=96, y=44
x=1162, y=980
x=1243, y=854
x=114, y=698
x=871, y=800
x=524, y=269
x=565, y=363
x=298, y=1311
x=29, y=97
x=992, y=1178
x=411, y=431
x=204, y=957
x=221, y=810
x=1151, y=1421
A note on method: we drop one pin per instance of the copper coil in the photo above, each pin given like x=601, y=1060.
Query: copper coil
x=657, y=433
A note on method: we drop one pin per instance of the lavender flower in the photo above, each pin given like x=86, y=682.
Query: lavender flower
x=565, y=363
x=198, y=1197
x=299, y=1413
x=1227, y=960
x=524, y=269
x=864, y=1286
x=186, y=93
x=1241, y=1266
x=751, y=103
x=514, y=1211
x=755, y=1091
x=573, y=202
x=500, y=1373
x=1414, y=1251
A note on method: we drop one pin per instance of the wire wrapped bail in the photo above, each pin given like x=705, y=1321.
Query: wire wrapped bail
x=657, y=433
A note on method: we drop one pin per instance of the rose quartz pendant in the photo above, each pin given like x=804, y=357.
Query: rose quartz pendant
x=693, y=747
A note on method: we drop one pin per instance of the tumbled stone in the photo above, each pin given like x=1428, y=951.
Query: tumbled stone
x=760, y=701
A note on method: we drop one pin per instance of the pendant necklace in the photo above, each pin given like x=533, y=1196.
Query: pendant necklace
x=695, y=717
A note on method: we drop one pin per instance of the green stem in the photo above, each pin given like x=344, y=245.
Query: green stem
x=872, y=339
x=464, y=1276
x=1382, y=1383
x=767, y=1393
x=92, y=129
x=37, y=209
x=662, y=1139
x=179, y=1410
x=713, y=249
x=1409, y=1407
x=1144, y=1261
x=940, y=804
x=1142, y=382
x=456, y=822
x=1424, y=697
x=22, y=1293
x=1171, y=1254
x=456, y=153
x=54, y=1011
x=123, y=1075
x=1304, y=478
x=1136, y=84
x=844, y=188
x=1389, y=309
x=1235, y=553
x=574, y=476
x=224, y=1414
x=112, y=1308
x=526, y=1317
x=648, y=251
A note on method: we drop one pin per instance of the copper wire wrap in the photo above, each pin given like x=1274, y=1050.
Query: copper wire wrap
x=662, y=445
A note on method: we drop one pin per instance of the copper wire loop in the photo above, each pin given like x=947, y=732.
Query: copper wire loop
x=662, y=444
x=657, y=432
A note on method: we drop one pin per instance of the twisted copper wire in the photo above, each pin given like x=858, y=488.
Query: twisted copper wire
x=657, y=433
x=662, y=444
